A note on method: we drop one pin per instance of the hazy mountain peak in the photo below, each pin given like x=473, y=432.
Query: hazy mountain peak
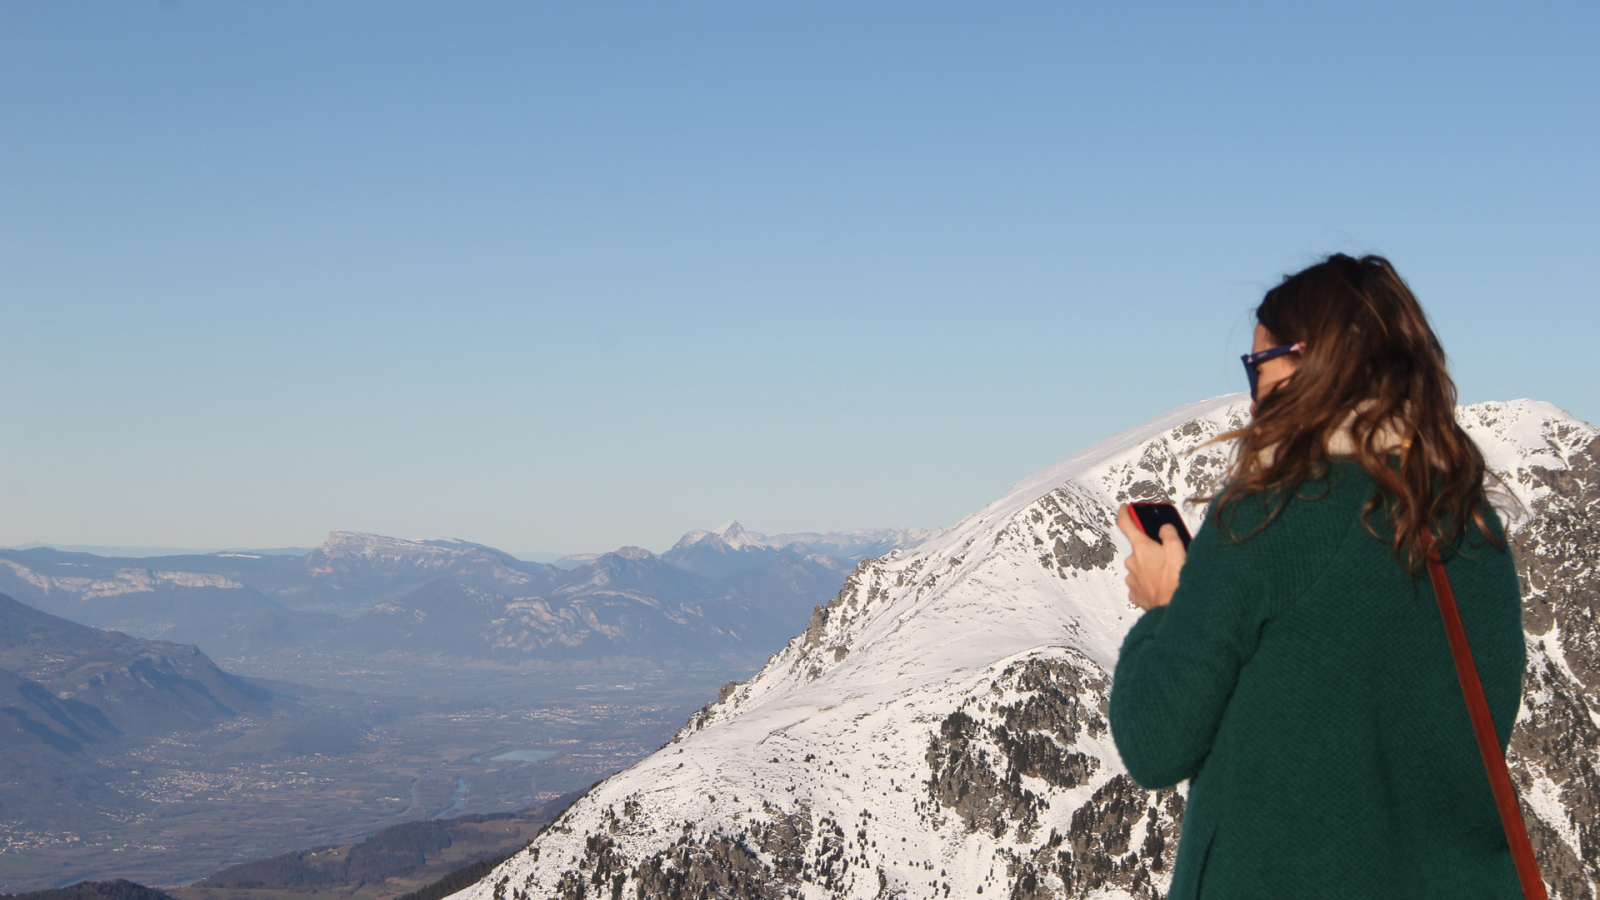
x=723, y=538
x=574, y=560
x=734, y=535
x=382, y=547
x=698, y=536
x=633, y=553
x=359, y=543
x=459, y=544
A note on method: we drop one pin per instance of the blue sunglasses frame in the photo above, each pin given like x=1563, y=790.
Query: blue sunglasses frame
x=1251, y=360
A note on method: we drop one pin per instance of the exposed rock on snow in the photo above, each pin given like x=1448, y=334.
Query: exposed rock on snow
x=938, y=729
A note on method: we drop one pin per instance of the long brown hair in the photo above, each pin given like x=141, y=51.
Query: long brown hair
x=1373, y=368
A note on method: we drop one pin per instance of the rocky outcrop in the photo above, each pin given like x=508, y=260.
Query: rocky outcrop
x=1555, y=749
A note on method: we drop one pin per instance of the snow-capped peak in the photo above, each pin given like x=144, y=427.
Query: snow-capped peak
x=734, y=535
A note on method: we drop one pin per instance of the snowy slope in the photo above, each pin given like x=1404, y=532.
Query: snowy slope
x=938, y=730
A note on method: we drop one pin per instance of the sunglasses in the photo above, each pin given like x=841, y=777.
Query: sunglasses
x=1251, y=360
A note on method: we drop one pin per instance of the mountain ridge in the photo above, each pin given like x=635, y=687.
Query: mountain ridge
x=120, y=675
x=938, y=729
x=68, y=691
x=348, y=592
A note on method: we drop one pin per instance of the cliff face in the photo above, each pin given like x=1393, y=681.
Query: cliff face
x=939, y=728
x=1555, y=750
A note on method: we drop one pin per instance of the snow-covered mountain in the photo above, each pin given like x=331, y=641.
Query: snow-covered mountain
x=938, y=730
x=730, y=534
x=350, y=569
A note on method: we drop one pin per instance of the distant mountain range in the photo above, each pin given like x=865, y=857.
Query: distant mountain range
x=726, y=593
x=843, y=544
x=626, y=605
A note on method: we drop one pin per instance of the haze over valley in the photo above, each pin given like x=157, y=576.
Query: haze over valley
x=169, y=716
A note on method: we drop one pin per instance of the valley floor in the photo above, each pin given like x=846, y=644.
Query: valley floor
x=386, y=743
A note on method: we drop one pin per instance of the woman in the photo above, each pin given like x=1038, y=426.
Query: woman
x=1299, y=674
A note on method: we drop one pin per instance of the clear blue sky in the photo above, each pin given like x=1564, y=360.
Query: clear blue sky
x=566, y=276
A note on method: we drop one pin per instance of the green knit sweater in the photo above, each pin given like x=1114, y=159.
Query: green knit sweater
x=1301, y=680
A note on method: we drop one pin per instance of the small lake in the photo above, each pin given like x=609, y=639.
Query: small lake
x=524, y=756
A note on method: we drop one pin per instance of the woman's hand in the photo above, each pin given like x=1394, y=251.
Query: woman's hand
x=1153, y=566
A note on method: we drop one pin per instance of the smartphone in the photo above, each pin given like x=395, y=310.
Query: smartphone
x=1151, y=516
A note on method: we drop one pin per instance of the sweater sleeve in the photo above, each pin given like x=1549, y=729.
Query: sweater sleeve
x=1180, y=663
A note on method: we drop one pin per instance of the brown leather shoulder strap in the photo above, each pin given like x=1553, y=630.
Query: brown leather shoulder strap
x=1494, y=760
